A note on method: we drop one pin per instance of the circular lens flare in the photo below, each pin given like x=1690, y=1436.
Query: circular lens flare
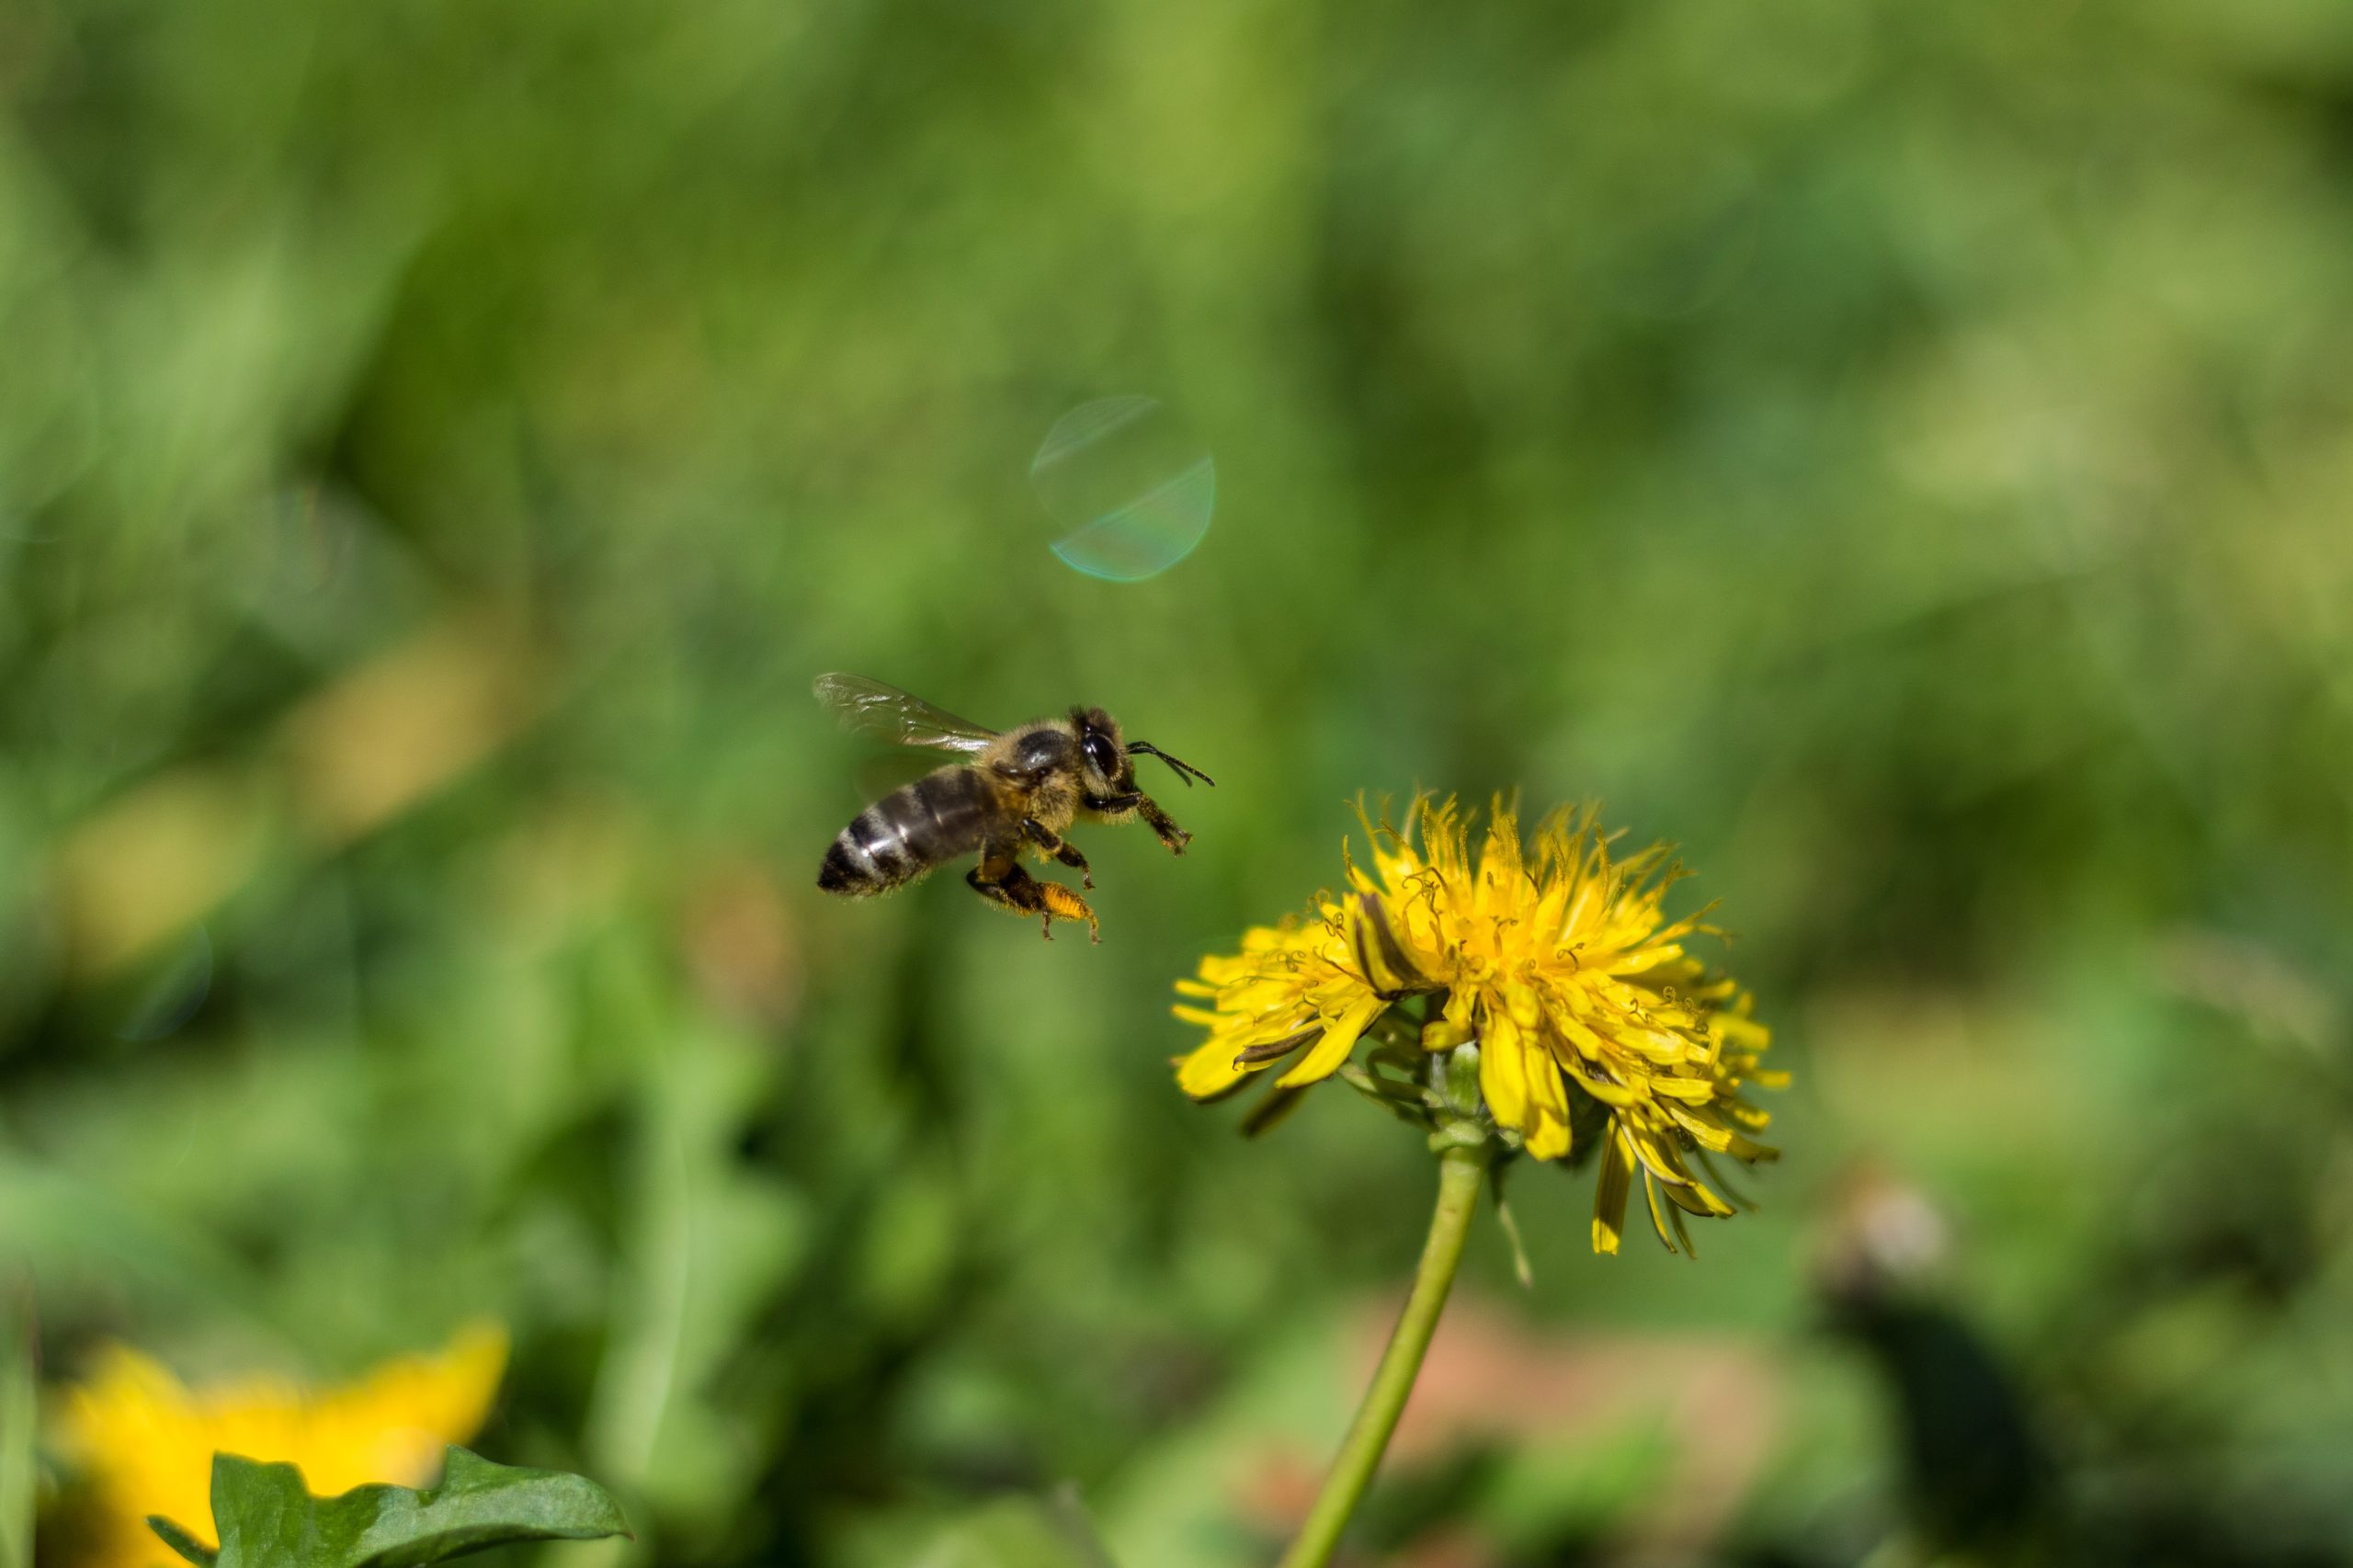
x=1129, y=489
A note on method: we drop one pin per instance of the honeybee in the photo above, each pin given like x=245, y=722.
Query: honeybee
x=1016, y=792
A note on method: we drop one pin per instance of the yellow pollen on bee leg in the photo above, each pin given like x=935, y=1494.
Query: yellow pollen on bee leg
x=1063, y=904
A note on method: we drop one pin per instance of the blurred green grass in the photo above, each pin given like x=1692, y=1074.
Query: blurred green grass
x=1903, y=455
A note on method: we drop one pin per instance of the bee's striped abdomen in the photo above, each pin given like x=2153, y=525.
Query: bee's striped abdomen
x=908, y=832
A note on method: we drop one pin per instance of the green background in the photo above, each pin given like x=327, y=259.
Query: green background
x=1900, y=452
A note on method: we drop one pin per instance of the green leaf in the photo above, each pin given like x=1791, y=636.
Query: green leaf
x=267, y=1519
x=1020, y=1532
x=179, y=1541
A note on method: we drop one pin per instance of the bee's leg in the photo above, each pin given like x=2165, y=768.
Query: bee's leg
x=1144, y=805
x=1000, y=879
x=1170, y=834
x=1061, y=848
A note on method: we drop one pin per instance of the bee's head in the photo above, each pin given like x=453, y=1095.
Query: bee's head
x=1101, y=753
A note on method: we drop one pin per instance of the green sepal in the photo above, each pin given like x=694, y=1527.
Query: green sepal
x=1402, y=1100
x=1519, y=1264
x=1458, y=1080
x=1270, y=1112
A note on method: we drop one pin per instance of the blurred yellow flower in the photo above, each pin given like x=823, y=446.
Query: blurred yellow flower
x=143, y=1442
x=1560, y=966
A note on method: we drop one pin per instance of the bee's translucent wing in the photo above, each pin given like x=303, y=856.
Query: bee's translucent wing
x=870, y=708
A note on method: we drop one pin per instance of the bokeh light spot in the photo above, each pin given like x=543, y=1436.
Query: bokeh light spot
x=1131, y=489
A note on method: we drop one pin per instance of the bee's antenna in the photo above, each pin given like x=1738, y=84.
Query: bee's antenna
x=1184, y=770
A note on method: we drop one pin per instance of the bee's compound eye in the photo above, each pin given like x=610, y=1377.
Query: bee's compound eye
x=1102, y=754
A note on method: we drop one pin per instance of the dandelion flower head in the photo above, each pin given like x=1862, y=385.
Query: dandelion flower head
x=1597, y=1032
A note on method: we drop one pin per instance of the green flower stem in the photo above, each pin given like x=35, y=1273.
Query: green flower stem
x=1460, y=1173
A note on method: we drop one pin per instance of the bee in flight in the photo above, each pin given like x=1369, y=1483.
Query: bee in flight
x=1016, y=791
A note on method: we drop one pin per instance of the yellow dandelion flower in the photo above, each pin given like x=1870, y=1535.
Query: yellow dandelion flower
x=1597, y=1033
x=143, y=1442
